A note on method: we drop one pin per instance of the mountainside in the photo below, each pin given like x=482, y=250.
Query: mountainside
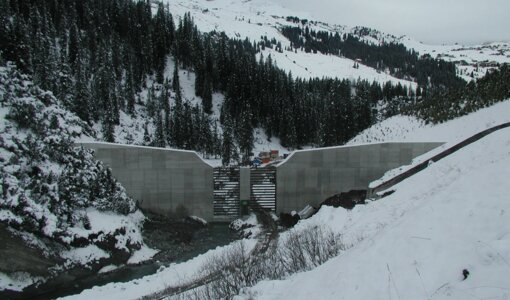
x=248, y=74
x=402, y=128
x=261, y=18
x=58, y=204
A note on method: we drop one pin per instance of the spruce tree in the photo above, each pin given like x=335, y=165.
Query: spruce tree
x=227, y=146
x=245, y=135
x=159, y=139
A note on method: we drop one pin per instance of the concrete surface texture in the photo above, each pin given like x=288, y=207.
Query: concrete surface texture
x=164, y=181
x=312, y=176
x=180, y=183
x=244, y=183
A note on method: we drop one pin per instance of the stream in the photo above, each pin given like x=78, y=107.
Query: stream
x=178, y=242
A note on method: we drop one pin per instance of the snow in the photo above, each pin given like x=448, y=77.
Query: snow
x=104, y=223
x=17, y=281
x=3, y=113
x=238, y=19
x=130, y=131
x=7, y=215
x=27, y=201
x=198, y=220
x=107, y=269
x=262, y=143
x=310, y=65
x=475, y=58
x=410, y=129
x=256, y=18
x=415, y=243
x=145, y=253
x=468, y=58
x=164, y=278
x=248, y=226
x=85, y=255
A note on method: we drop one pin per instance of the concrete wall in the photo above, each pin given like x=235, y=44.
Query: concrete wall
x=176, y=182
x=163, y=181
x=312, y=176
x=244, y=183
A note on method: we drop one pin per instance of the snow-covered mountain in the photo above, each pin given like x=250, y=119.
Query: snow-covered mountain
x=257, y=18
x=262, y=18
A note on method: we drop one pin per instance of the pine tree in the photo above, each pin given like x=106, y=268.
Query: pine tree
x=129, y=92
x=108, y=128
x=82, y=97
x=245, y=135
x=228, y=146
x=74, y=42
x=147, y=140
x=178, y=113
x=176, y=84
x=207, y=96
x=159, y=139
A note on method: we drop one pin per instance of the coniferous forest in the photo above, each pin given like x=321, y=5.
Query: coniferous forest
x=96, y=56
x=392, y=57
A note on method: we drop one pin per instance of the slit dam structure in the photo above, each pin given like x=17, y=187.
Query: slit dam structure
x=180, y=183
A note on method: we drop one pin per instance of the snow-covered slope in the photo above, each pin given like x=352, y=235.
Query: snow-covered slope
x=416, y=243
x=309, y=65
x=256, y=18
x=475, y=60
x=411, y=129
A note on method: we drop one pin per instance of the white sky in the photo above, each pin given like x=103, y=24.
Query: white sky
x=430, y=21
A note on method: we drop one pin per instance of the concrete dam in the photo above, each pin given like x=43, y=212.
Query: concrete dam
x=180, y=183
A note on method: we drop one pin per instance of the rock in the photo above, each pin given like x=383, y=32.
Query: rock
x=289, y=220
x=18, y=256
x=347, y=200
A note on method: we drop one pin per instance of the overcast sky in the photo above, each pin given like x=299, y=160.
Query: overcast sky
x=430, y=21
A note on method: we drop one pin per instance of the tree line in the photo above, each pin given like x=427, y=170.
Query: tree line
x=388, y=56
x=442, y=105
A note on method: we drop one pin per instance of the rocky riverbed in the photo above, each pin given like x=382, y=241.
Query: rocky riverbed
x=177, y=239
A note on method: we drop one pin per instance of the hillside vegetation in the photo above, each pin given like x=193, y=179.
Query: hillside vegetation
x=56, y=197
x=107, y=59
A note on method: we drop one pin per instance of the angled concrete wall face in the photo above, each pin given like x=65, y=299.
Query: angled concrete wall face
x=170, y=182
x=310, y=177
